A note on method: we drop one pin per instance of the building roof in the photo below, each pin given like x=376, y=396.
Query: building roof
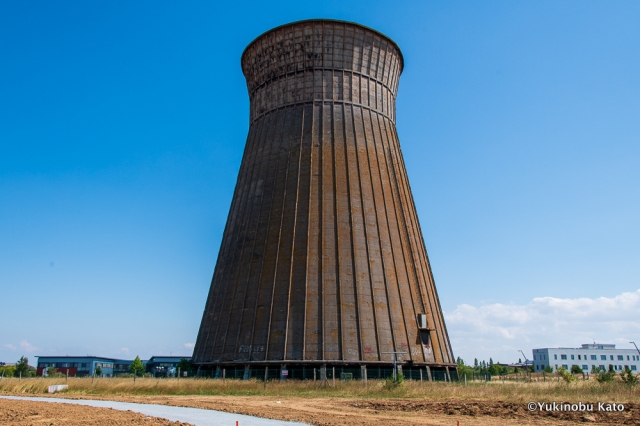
x=102, y=358
x=170, y=357
x=79, y=356
x=590, y=346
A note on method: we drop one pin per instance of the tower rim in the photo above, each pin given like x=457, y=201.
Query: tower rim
x=304, y=21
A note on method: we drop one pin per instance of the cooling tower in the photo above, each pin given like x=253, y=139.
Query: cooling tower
x=322, y=262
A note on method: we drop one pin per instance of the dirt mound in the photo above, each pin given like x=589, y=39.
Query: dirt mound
x=504, y=410
x=14, y=412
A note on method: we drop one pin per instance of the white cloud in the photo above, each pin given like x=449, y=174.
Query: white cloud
x=189, y=345
x=124, y=350
x=28, y=347
x=499, y=330
x=9, y=346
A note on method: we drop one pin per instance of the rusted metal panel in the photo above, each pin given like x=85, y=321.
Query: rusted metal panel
x=348, y=305
x=297, y=302
x=282, y=282
x=406, y=263
x=263, y=192
x=370, y=281
x=330, y=293
x=384, y=213
x=322, y=257
x=260, y=338
x=314, y=301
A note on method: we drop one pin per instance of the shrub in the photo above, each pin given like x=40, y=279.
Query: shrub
x=52, y=372
x=606, y=376
x=628, y=377
x=576, y=370
x=7, y=371
x=390, y=384
x=566, y=376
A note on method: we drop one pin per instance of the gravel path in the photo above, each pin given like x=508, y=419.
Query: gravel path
x=196, y=416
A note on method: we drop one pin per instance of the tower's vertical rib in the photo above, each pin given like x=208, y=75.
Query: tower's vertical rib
x=322, y=258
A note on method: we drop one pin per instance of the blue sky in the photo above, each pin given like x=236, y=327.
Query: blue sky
x=122, y=127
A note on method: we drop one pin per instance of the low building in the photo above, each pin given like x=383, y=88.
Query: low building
x=76, y=366
x=597, y=355
x=524, y=365
x=165, y=366
x=84, y=366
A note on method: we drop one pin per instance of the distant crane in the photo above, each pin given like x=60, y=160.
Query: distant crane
x=526, y=362
x=634, y=344
x=525, y=357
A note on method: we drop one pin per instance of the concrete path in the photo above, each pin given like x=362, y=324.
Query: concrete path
x=196, y=416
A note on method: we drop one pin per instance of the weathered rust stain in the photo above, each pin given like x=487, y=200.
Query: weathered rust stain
x=322, y=257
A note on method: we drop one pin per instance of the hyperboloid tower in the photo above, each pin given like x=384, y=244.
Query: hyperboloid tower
x=322, y=267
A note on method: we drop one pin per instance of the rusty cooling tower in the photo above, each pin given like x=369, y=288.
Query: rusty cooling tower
x=322, y=261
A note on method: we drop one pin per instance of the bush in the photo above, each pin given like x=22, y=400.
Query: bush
x=566, y=376
x=576, y=370
x=628, y=377
x=52, y=372
x=389, y=384
x=606, y=376
x=7, y=371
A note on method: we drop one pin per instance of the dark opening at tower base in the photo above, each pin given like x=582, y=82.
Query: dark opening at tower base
x=327, y=371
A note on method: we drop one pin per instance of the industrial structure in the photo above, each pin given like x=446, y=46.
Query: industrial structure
x=322, y=264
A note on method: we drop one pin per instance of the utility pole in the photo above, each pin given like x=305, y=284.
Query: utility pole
x=395, y=364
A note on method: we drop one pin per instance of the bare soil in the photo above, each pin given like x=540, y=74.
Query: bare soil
x=16, y=412
x=403, y=412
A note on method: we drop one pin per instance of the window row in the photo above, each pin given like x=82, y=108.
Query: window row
x=601, y=367
x=602, y=357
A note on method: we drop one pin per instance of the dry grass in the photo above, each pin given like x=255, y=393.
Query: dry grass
x=589, y=390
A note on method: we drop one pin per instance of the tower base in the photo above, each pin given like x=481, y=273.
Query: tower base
x=327, y=370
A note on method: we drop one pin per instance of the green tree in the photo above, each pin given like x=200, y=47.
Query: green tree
x=576, y=370
x=22, y=367
x=463, y=369
x=136, y=366
x=628, y=377
x=548, y=369
x=185, y=366
x=98, y=371
x=7, y=370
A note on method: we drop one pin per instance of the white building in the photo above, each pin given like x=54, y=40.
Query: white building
x=589, y=355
